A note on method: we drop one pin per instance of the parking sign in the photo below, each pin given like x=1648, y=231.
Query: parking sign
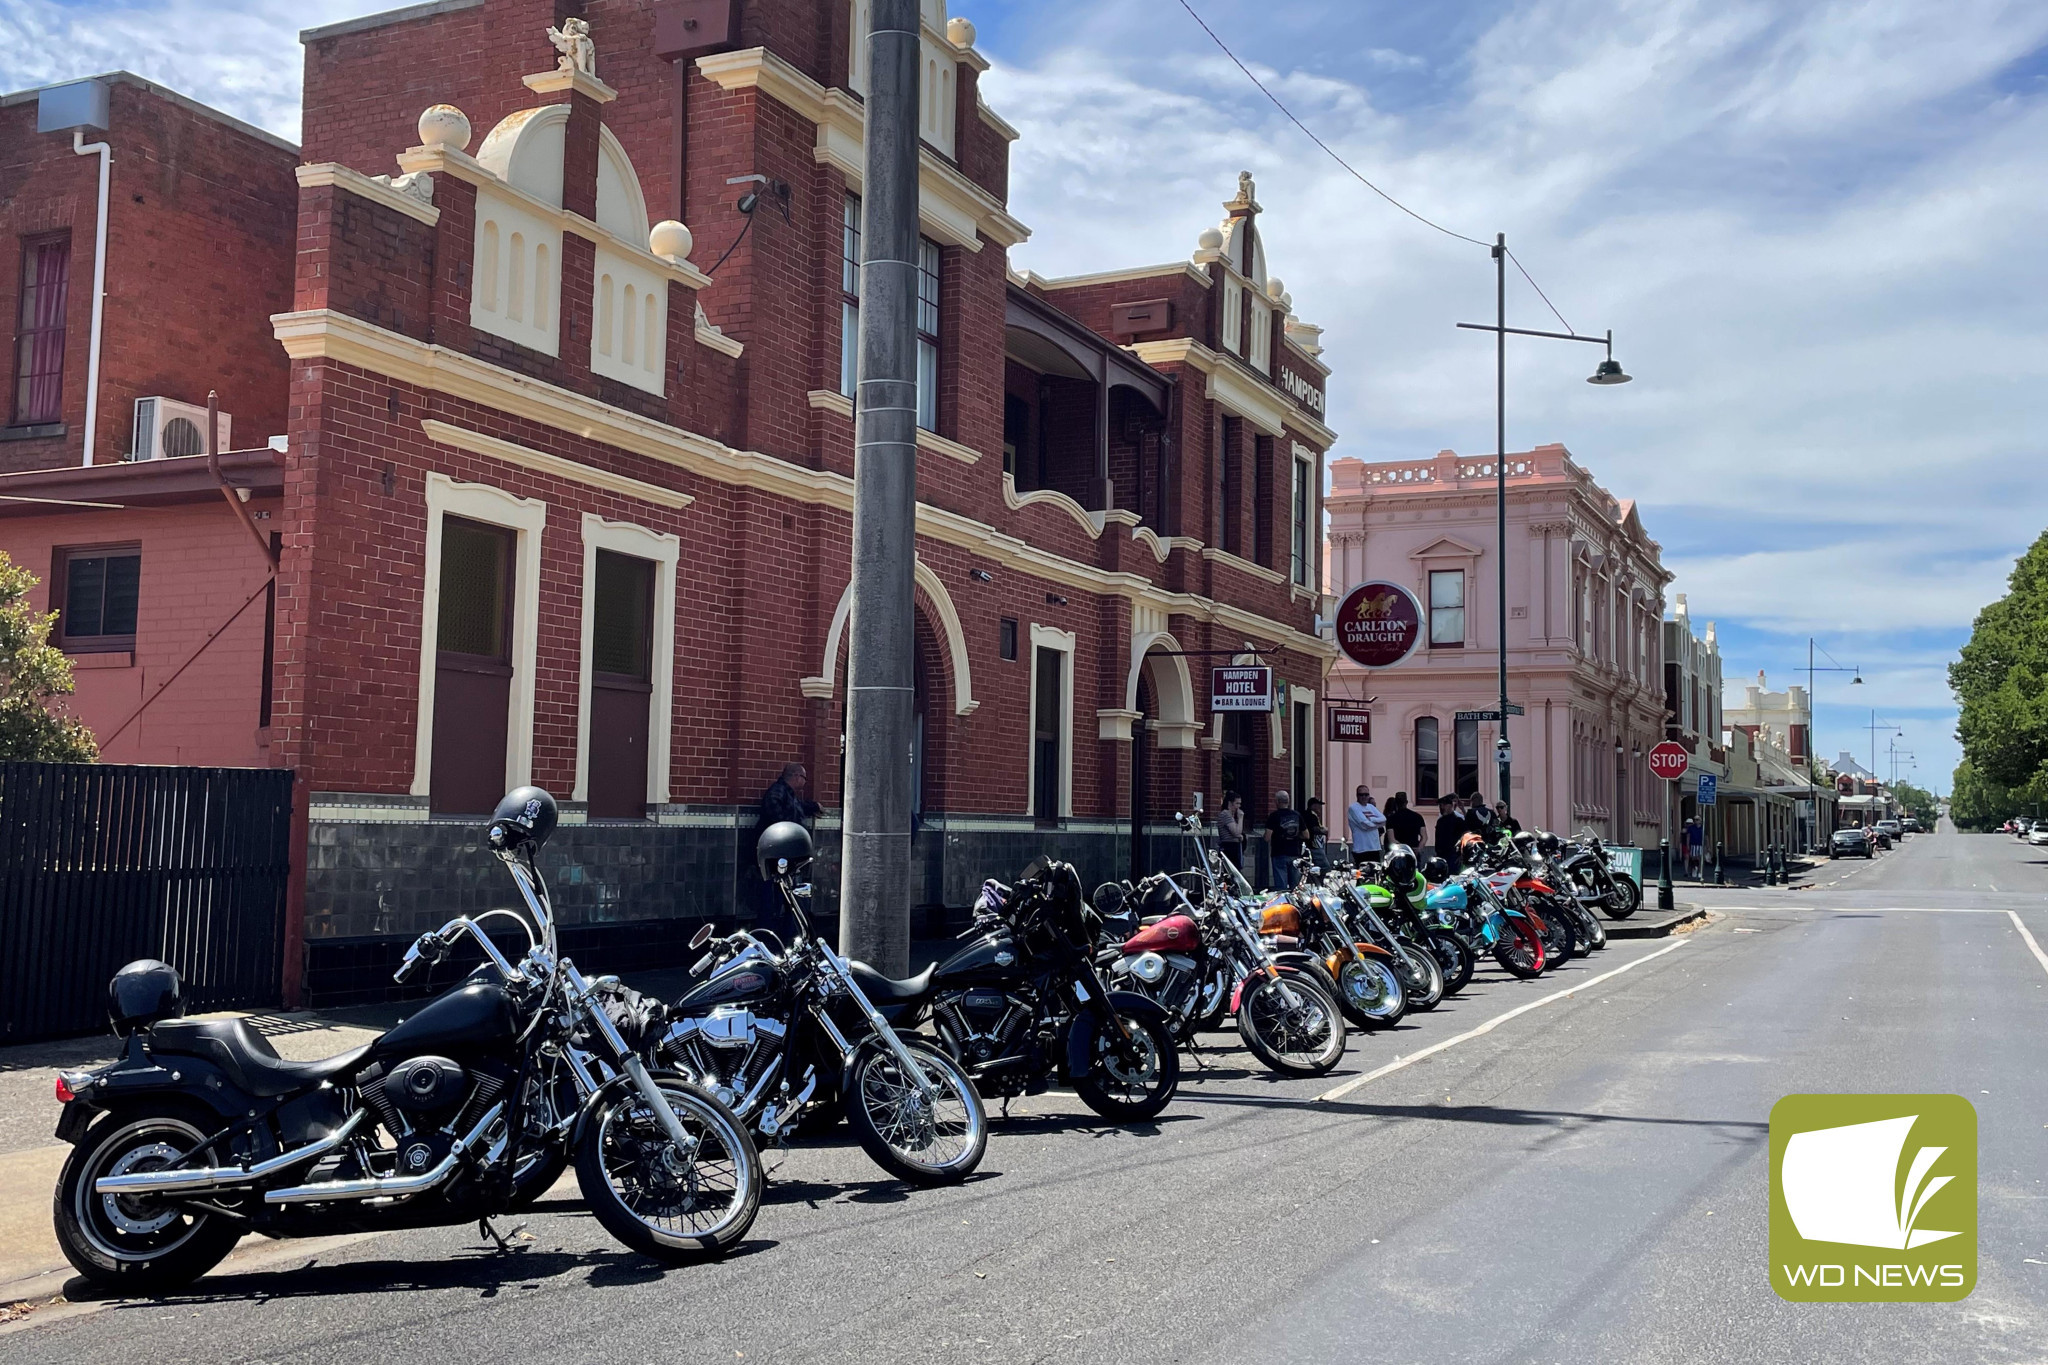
x=1708, y=783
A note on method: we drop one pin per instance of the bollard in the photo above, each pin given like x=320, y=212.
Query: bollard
x=1771, y=866
x=1719, y=880
x=1664, y=901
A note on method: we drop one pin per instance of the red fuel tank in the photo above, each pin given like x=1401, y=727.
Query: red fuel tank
x=1174, y=934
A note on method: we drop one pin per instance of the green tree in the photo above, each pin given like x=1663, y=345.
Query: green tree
x=1915, y=801
x=33, y=674
x=1975, y=803
x=2001, y=679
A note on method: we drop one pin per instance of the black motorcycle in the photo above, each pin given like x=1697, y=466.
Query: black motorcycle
x=1022, y=1005
x=790, y=1033
x=472, y=1107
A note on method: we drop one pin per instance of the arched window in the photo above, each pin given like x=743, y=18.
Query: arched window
x=1428, y=784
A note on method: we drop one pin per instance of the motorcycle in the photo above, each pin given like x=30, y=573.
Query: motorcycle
x=783, y=1032
x=1023, y=1005
x=1398, y=895
x=1376, y=982
x=201, y=1133
x=1535, y=852
x=1205, y=958
x=1584, y=866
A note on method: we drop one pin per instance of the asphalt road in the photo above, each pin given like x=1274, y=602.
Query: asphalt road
x=1584, y=1181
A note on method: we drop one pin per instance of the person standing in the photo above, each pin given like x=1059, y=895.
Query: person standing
x=1284, y=842
x=1450, y=827
x=1504, y=821
x=1365, y=822
x=783, y=800
x=1404, y=823
x=1230, y=829
x=1314, y=831
x=1695, y=847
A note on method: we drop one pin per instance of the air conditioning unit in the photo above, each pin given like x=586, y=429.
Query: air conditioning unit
x=165, y=428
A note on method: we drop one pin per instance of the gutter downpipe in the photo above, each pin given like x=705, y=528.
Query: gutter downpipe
x=99, y=284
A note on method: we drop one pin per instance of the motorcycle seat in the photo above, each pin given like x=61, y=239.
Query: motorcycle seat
x=247, y=1056
x=882, y=989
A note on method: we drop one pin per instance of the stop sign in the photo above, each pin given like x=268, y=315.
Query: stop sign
x=1669, y=760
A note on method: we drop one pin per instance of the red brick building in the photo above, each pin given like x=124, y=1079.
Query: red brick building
x=568, y=486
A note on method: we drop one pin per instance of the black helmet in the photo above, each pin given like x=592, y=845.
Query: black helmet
x=1550, y=844
x=1436, y=871
x=1398, y=867
x=143, y=992
x=526, y=816
x=785, y=846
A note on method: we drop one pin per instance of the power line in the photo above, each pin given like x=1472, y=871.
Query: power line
x=1330, y=152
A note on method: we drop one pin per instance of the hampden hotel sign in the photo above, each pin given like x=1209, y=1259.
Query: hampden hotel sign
x=1378, y=624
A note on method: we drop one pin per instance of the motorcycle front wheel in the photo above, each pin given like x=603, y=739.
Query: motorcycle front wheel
x=935, y=1141
x=1596, y=932
x=1520, y=950
x=1424, y=980
x=1134, y=1084
x=663, y=1202
x=1560, y=935
x=1291, y=1025
x=1371, y=992
x=1625, y=899
x=1457, y=960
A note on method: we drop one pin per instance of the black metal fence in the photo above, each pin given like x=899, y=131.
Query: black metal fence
x=102, y=864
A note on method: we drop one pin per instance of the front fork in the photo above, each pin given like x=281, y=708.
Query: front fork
x=876, y=1023
x=628, y=1061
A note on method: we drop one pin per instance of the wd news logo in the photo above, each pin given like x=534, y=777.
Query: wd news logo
x=1873, y=1198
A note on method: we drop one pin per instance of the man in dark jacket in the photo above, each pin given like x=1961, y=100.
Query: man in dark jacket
x=784, y=800
x=1286, y=837
x=1404, y=822
x=1450, y=827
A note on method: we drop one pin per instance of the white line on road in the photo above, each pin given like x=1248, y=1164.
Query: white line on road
x=1494, y=1023
x=2034, y=947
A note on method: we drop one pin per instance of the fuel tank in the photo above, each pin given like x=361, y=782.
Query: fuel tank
x=746, y=977
x=989, y=959
x=1174, y=934
x=474, y=1016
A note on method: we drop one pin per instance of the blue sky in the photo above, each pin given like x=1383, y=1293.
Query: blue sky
x=1814, y=228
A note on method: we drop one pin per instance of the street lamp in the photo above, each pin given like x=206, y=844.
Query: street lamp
x=1608, y=372
x=1813, y=787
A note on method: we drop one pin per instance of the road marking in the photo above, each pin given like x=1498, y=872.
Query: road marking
x=2032, y=946
x=1494, y=1023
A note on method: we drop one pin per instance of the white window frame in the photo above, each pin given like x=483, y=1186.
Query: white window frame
x=1464, y=608
x=1259, y=345
x=665, y=551
x=528, y=517
x=1061, y=641
x=1233, y=314
x=1303, y=697
x=1303, y=527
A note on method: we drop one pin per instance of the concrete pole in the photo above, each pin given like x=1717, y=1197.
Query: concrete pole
x=874, y=892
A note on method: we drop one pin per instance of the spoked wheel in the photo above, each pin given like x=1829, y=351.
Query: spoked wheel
x=1456, y=959
x=1560, y=936
x=1520, y=950
x=932, y=1133
x=1626, y=898
x=140, y=1244
x=1424, y=978
x=672, y=1203
x=1371, y=992
x=1595, y=930
x=1292, y=1026
x=1131, y=1082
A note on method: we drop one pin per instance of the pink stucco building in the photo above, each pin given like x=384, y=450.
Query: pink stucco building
x=1585, y=606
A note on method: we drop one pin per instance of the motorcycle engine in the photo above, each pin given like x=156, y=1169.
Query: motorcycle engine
x=726, y=1051
x=985, y=1023
x=1170, y=979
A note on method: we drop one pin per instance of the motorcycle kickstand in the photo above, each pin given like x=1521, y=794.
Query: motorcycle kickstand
x=504, y=1241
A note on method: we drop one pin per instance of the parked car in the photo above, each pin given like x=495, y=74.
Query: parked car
x=1852, y=842
x=2037, y=837
x=1912, y=825
x=1892, y=829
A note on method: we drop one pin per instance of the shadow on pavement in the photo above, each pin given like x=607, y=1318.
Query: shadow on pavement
x=1482, y=1113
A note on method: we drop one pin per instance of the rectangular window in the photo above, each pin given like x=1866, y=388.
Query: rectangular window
x=1232, y=509
x=39, y=330
x=1006, y=639
x=1046, y=708
x=927, y=334
x=1468, y=757
x=1303, y=554
x=1301, y=719
x=101, y=588
x=1016, y=430
x=1427, y=782
x=1447, y=609
x=849, y=294
x=1262, y=501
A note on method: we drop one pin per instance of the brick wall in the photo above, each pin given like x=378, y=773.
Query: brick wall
x=200, y=242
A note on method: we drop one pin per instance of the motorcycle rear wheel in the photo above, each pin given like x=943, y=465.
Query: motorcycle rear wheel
x=649, y=1198
x=137, y=1244
x=1291, y=1025
x=936, y=1145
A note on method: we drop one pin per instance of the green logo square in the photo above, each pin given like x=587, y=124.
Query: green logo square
x=1873, y=1198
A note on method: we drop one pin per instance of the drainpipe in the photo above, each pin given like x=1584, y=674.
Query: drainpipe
x=99, y=284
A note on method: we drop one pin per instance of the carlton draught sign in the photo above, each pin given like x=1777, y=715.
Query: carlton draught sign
x=1379, y=624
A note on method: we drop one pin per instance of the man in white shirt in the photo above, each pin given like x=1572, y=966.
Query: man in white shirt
x=1364, y=821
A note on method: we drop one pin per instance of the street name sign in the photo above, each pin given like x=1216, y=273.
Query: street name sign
x=1669, y=760
x=1241, y=687
x=1514, y=709
x=1350, y=725
x=1379, y=624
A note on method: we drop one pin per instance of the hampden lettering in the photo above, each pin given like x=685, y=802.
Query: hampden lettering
x=1304, y=392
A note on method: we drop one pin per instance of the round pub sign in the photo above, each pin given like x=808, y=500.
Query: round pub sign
x=1378, y=624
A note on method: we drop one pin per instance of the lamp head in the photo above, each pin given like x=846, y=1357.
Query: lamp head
x=1610, y=372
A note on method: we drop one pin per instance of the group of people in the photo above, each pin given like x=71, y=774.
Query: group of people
x=1299, y=838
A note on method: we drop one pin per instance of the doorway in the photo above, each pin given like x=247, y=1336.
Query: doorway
x=472, y=668
x=621, y=685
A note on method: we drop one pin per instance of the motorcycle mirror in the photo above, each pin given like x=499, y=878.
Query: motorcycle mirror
x=701, y=937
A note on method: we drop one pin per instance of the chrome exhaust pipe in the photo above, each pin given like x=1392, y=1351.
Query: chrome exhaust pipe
x=186, y=1181
x=386, y=1187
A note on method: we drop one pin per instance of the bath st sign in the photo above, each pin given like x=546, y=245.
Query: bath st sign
x=1379, y=624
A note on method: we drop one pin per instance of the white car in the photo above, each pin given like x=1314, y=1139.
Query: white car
x=2038, y=835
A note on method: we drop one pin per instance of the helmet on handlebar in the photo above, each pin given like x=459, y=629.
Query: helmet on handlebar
x=525, y=817
x=1398, y=867
x=784, y=847
x=1436, y=871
